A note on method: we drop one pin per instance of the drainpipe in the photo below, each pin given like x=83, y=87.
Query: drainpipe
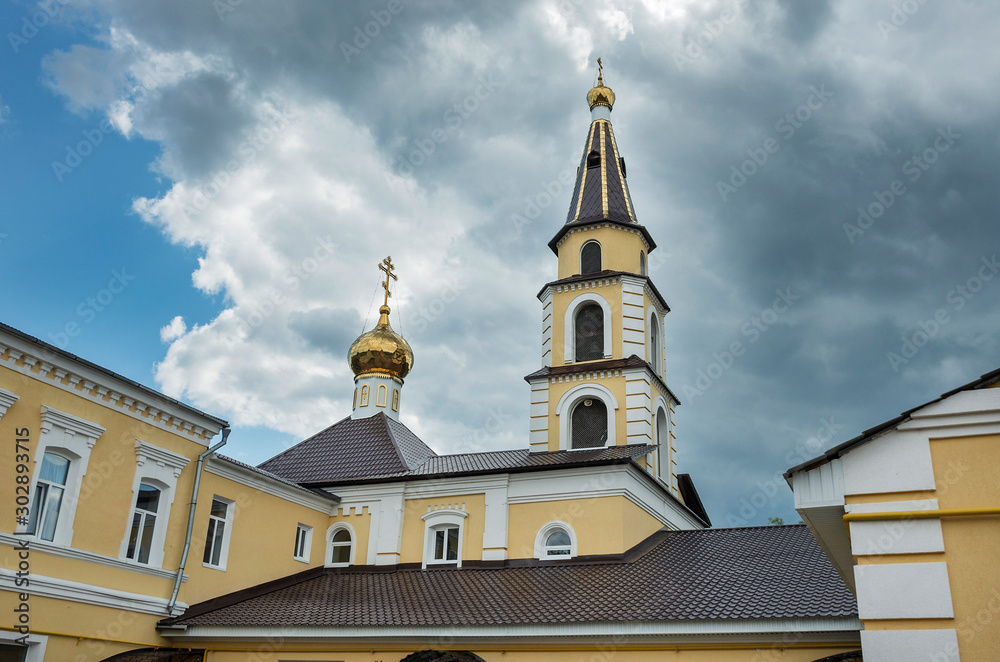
x=190, y=527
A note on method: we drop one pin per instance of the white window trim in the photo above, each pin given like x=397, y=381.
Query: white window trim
x=663, y=451
x=564, y=410
x=71, y=437
x=7, y=400
x=654, y=318
x=543, y=534
x=569, y=325
x=36, y=643
x=328, y=559
x=160, y=468
x=307, y=551
x=226, y=533
x=580, y=256
x=443, y=518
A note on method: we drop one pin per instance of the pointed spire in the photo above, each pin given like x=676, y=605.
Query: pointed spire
x=601, y=190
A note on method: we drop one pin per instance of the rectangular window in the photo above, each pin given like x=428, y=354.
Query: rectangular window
x=49, y=492
x=217, y=539
x=140, y=539
x=446, y=544
x=303, y=541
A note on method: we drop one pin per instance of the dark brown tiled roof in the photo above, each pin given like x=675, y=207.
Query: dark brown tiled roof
x=373, y=446
x=514, y=461
x=987, y=380
x=742, y=573
x=158, y=655
x=591, y=366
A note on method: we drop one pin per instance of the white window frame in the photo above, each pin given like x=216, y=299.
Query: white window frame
x=663, y=468
x=303, y=534
x=160, y=468
x=37, y=507
x=73, y=438
x=564, y=410
x=654, y=319
x=541, y=550
x=330, y=532
x=159, y=525
x=569, y=325
x=642, y=264
x=227, y=533
x=439, y=519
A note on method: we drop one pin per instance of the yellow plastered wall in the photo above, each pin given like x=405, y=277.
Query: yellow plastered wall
x=412, y=547
x=360, y=520
x=603, y=525
x=263, y=526
x=619, y=250
x=964, y=477
x=556, y=390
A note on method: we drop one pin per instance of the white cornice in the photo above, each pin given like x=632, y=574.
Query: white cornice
x=64, y=589
x=6, y=400
x=75, y=424
x=259, y=481
x=588, y=284
x=53, y=368
x=161, y=456
x=89, y=557
x=816, y=629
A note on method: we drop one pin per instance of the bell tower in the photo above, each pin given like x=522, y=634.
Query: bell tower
x=602, y=381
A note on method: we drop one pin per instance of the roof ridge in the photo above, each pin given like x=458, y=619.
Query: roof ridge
x=395, y=443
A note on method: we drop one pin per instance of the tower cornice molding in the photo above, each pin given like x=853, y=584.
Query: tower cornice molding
x=585, y=226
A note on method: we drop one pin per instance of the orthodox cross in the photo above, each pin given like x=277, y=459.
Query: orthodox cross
x=386, y=266
x=600, y=71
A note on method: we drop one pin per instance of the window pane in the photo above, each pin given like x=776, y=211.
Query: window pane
x=146, y=542
x=148, y=498
x=209, y=538
x=557, y=538
x=589, y=425
x=590, y=333
x=342, y=553
x=439, y=545
x=342, y=535
x=219, y=508
x=51, y=514
x=133, y=536
x=452, y=544
x=54, y=468
x=590, y=258
x=220, y=529
x=37, y=506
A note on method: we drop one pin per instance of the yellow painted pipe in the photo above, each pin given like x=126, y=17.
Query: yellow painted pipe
x=922, y=514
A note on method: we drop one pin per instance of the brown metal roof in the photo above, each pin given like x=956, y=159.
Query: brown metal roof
x=740, y=573
x=373, y=446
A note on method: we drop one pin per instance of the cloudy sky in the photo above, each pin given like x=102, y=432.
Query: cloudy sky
x=197, y=194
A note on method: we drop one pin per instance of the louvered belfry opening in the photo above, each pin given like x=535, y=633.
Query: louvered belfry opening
x=590, y=333
x=590, y=258
x=589, y=424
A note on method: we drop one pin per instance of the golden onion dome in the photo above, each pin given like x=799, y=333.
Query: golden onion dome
x=600, y=95
x=381, y=351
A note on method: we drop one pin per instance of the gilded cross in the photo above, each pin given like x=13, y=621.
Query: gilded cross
x=600, y=70
x=386, y=266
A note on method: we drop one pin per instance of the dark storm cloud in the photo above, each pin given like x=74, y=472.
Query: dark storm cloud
x=748, y=153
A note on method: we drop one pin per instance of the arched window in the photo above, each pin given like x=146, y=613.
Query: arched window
x=654, y=343
x=380, y=400
x=590, y=333
x=364, y=395
x=589, y=425
x=49, y=492
x=663, y=440
x=590, y=258
x=395, y=399
x=340, y=547
x=642, y=263
x=555, y=541
x=140, y=538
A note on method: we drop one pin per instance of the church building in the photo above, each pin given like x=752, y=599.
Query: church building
x=137, y=539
